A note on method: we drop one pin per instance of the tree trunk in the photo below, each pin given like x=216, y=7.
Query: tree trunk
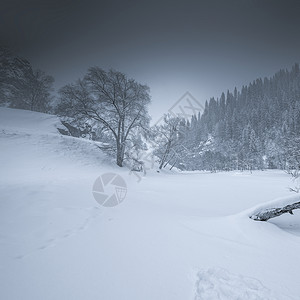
x=173, y=164
x=269, y=213
x=119, y=161
x=164, y=158
x=120, y=157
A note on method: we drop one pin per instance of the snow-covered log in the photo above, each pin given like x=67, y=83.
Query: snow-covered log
x=275, y=208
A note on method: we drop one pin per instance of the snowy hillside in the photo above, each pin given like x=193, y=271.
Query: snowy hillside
x=175, y=236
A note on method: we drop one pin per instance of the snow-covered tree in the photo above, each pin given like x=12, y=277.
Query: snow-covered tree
x=166, y=136
x=33, y=91
x=23, y=87
x=112, y=101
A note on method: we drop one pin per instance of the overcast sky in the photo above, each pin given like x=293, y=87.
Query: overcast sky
x=204, y=46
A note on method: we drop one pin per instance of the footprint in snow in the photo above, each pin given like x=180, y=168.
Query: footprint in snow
x=220, y=284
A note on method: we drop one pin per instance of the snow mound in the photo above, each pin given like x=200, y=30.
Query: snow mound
x=19, y=120
x=32, y=149
x=220, y=284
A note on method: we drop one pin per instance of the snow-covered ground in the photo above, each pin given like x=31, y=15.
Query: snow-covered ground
x=175, y=236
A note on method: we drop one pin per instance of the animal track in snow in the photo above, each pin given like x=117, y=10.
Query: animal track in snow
x=68, y=233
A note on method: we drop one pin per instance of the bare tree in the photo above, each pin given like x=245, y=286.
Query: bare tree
x=166, y=139
x=21, y=86
x=34, y=92
x=113, y=101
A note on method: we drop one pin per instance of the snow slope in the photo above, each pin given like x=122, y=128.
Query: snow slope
x=175, y=236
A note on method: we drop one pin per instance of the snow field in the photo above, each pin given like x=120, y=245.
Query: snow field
x=175, y=236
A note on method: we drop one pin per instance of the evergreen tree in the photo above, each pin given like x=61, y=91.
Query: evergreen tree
x=255, y=128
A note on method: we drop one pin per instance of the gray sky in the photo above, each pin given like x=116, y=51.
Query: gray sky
x=204, y=46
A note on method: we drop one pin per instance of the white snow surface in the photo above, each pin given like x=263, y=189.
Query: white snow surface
x=177, y=235
x=216, y=283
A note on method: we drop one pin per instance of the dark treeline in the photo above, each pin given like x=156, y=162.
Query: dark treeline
x=255, y=128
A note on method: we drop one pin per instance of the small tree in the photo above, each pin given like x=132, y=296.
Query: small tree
x=112, y=101
x=166, y=139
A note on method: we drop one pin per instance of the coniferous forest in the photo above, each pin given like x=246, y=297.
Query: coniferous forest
x=255, y=128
